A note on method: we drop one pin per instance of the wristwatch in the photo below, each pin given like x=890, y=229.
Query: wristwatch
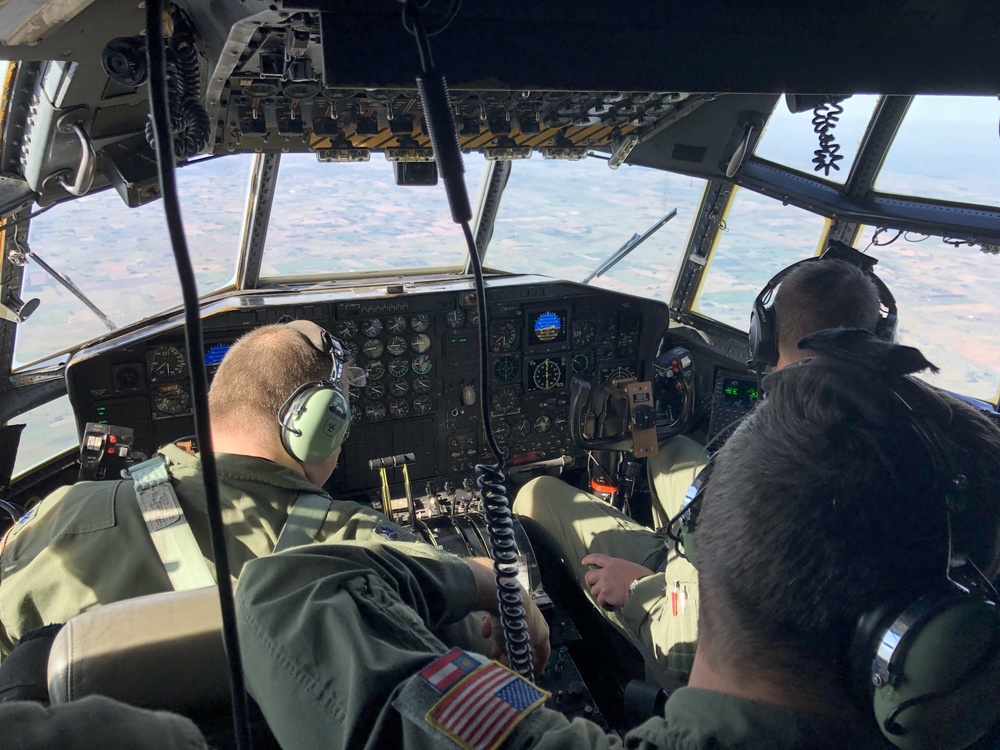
x=631, y=586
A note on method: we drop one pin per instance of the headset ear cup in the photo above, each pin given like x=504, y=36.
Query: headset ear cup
x=315, y=423
x=945, y=686
x=763, y=335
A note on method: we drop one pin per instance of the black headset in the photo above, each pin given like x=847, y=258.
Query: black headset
x=316, y=419
x=763, y=336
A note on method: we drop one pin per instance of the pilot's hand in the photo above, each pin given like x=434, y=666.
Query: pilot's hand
x=538, y=632
x=610, y=578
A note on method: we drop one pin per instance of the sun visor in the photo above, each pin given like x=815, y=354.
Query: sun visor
x=26, y=22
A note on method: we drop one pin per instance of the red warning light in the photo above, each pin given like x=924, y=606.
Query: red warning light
x=111, y=451
x=112, y=439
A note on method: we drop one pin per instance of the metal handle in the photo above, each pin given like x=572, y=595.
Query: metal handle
x=88, y=162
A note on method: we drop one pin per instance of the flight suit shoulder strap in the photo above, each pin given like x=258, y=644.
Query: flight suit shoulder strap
x=305, y=519
x=168, y=527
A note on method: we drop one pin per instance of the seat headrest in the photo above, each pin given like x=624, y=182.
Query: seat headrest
x=163, y=651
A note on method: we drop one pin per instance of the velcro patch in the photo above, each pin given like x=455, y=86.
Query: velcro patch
x=483, y=708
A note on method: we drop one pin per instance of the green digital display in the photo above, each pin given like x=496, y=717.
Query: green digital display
x=740, y=392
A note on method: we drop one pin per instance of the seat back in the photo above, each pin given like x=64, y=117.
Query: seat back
x=163, y=651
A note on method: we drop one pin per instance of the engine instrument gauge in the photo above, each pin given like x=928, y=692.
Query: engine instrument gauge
x=422, y=384
x=420, y=323
x=375, y=411
x=420, y=343
x=501, y=431
x=581, y=365
x=373, y=348
x=505, y=336
x=504, y=400
x=399, y=367
x=561, y=422
x=423, y=405
x=522, y=427
x=546, y=374
x=165, y=363
x=172, y=399
x=396, y=324
x=422, y=364
x=374, y=369
x=543, y=424
x=396, y=346
x=356, y=414
x=398, y=387
x=350, y=351
x=506, y=368
x=584, y=332
x=374, y=390
x=455, y=318
x=372, y=327
x=473, y=316
x=346, y=329
x=399, y=407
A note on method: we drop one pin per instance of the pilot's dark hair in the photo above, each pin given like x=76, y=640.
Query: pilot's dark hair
x=258, y=374
x=825, y=503
x=828, y=293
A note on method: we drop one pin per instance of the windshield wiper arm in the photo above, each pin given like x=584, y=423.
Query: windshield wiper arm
x=632, y=244
x=69, y=285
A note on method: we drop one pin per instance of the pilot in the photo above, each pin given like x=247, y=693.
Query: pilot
x=91, y=543
x=613, y=557
x=822, y=507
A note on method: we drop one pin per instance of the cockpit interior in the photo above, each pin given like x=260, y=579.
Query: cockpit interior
x=636, y=176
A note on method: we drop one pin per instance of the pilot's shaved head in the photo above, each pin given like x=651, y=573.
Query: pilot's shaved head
x=258, y=374
x=826, y=294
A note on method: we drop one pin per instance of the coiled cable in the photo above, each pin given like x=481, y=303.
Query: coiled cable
x=825, y=119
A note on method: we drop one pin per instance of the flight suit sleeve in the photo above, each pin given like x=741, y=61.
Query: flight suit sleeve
x=332, y=633
x=92, y=723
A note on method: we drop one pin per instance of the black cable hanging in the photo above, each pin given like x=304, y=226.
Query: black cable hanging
x=161, y=126
x=825, y=119
x=440, y=124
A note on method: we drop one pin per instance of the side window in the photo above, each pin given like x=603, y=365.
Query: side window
x=49, y=431
x=757, y=238
x=947, y=300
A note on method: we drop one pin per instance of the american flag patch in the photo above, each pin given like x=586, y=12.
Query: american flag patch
x=480, y=711
x=446, y=670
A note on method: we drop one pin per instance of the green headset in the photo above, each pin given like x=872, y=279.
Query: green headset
x=315, y=420
x=927, y=663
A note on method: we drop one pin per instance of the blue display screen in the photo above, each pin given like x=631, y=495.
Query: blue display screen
x=549, y=328
x=214, y=355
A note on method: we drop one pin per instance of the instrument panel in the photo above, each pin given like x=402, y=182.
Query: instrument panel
x=420, y=350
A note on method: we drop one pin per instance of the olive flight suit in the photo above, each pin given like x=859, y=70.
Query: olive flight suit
x=661, y=616
x=334, y=635
x=87, y=544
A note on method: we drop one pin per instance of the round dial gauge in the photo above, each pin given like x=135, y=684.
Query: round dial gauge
x=398, y=387
x=420, y=323
x=522, y=427
x=505, y=368
x=396, y=325
x=375, y=412
x=501, y=431
x=127, y=377
x=172, y=399
x=399, y=407
x=374, y=390
x=373, y=348
x=350, y=351
x=543, y=424
x=166, y=363
x=420, y=343
x=584, y=332
x=356, y=414
x=399, y=367
x=374, y=370
x=455, y=318
x=346, y=329
x=422, y=384
x=422, y=405
x=372, y=327
x=504, y=400
x=396, y=346
x=473, y=316
x=422, y=364
x=561, y=422
x=547, y=375
x=580, y=364
x=619, y=373
x=504, y=336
